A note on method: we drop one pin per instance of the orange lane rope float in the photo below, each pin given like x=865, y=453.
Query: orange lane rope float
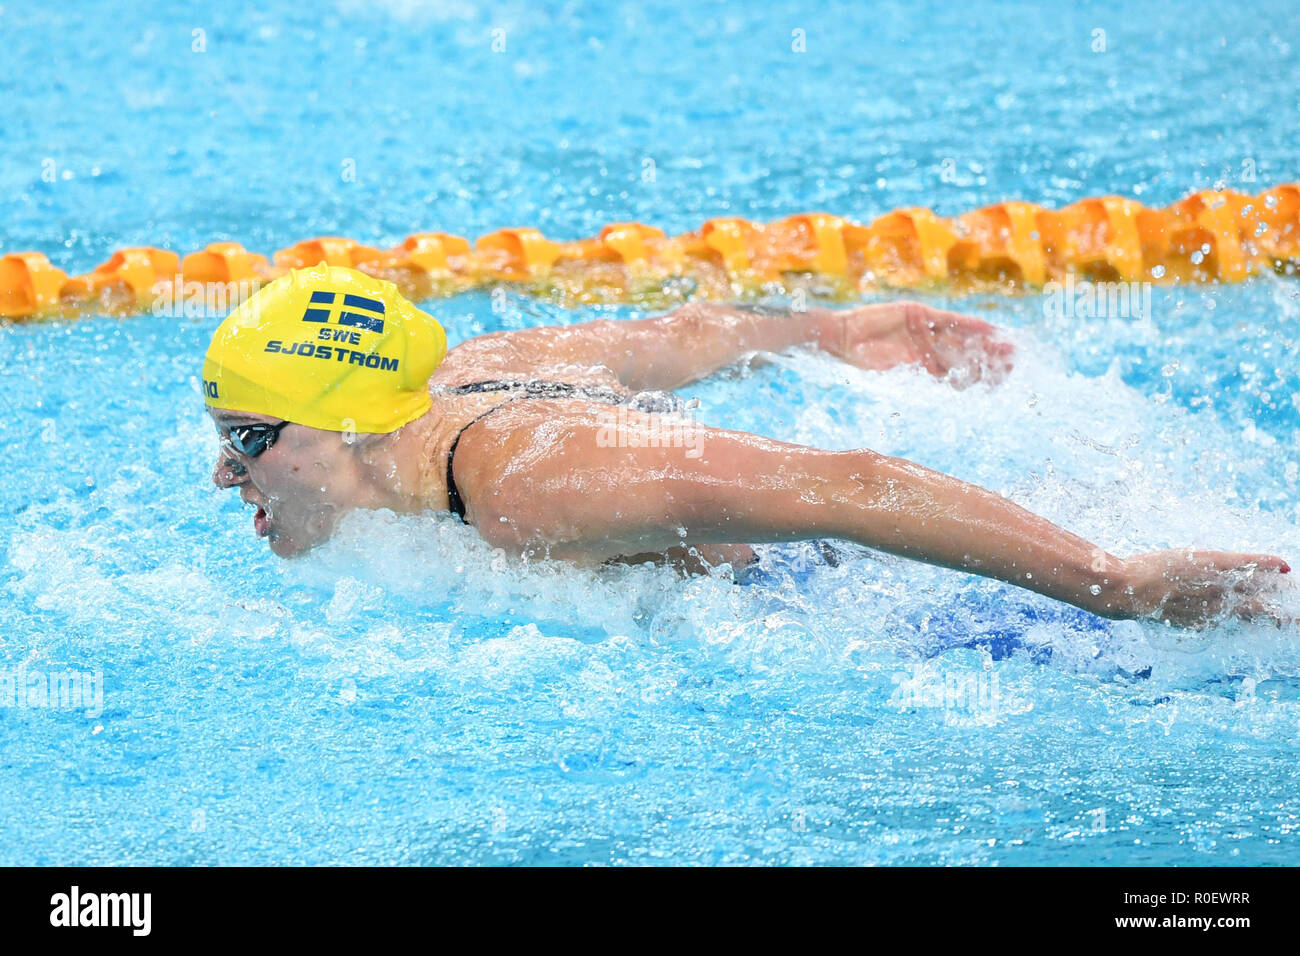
x=1211, y=236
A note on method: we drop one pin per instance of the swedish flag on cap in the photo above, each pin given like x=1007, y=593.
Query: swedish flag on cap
x=356, y=311
x=327, y=347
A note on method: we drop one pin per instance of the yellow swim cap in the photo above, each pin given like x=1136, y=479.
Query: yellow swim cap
x=327, y=347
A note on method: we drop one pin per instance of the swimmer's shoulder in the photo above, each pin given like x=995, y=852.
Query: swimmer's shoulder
x=495, y=357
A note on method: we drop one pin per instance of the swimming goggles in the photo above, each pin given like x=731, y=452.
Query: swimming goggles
x=251, y=440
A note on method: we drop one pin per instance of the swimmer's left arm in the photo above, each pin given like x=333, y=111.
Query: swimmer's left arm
x=592, y=497
x=690, y=343
x=581, y=496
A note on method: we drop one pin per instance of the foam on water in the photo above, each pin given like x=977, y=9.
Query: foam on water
x=818, y=712
x=405, y=694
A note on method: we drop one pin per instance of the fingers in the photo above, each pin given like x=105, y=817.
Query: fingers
x=1185, y=560
x=1238, y=561
x=1265, y=612
x=1271, y=562
x=1243, y=595
x=976, y=336
x=940, y=318
x=982, y=359
x=947, y=344
x=999, y=359
x=950, y=325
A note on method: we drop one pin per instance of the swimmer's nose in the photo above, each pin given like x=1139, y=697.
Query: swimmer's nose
x=230, y=472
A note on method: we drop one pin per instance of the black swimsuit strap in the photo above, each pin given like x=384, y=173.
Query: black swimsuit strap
x=455, y=503
x=532, y=389
x=540, y=389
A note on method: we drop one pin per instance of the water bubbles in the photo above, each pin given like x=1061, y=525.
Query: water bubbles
x=637, y=660
x=1158, y=272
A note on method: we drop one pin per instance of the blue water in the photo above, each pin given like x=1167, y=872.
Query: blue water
x=407, y=696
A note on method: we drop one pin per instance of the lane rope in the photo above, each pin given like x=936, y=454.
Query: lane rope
x=1210, y=236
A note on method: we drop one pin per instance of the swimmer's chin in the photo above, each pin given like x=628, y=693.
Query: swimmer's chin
x=296, y=545
x=283, y=546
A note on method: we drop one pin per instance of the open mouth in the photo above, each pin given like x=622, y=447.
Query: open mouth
x=261, y=520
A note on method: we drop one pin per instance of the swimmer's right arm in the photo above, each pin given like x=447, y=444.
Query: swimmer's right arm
x=696, y=340
x=579, y=497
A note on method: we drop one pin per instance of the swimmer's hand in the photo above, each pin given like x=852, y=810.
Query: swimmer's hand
x=947, y=344
x=1199, y=589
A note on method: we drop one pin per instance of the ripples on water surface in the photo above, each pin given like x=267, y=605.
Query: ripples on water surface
x=404, y=695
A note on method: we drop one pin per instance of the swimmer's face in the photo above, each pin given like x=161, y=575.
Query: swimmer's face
x=301, y=486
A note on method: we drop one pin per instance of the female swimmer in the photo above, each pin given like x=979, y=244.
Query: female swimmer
x=330, y=392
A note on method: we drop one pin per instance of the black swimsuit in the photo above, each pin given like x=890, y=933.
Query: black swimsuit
x=646, y=401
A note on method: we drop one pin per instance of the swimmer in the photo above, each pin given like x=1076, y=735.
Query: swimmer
x=331, y=392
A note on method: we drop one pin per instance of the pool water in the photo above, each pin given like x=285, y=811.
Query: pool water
x=405, y=695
